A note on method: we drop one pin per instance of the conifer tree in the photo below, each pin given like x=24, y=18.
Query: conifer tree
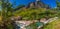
x=58, y=4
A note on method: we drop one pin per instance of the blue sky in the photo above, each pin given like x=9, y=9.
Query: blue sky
x=51, y=3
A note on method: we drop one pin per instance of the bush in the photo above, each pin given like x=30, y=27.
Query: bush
x=31, y=14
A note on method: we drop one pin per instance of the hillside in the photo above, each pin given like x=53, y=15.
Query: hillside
x=53, y=25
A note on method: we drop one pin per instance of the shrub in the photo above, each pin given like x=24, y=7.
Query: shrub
x=31, y=14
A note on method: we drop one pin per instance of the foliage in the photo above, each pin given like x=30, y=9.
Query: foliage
x=5, y=22
x=27, y=14
x=31, y=26
x=53, y=25
x=37, y=13
x=58, y=4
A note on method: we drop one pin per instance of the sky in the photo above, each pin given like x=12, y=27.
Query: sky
x=51, y=3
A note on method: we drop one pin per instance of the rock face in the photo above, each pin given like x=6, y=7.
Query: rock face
x=42, y=20
x=18, y=18
x=22, y=24
x=37, y=4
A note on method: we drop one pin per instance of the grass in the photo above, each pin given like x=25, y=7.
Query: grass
x=0, y=18
x=53, y=25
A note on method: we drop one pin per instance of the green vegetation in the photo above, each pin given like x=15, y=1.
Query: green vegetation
x=34, y=25
x=6, y=22
x=27, y=14
x=37, y=13
x=53, y=25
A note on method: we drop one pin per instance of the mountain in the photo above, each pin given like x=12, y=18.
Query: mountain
x=37, y=4
x=51, y=3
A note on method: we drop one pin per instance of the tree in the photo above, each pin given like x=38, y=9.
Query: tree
x=58, y=4
x=6, y=21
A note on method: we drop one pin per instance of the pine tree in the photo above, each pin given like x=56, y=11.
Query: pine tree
x=58, y=4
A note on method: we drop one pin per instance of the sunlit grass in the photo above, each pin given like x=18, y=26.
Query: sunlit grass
x=53, y=25
x=0, y=18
